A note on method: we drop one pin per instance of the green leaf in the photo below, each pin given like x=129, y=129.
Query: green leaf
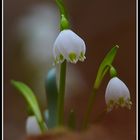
x=52, y=95
x=29, y=97
x=104, y=66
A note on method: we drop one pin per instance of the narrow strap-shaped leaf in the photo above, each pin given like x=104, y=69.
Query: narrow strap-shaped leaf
x=104, y=66
x=30, y=98
x=52, y=94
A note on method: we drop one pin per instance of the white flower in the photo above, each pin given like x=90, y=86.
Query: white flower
x=117, y=94
x=69, y=46
x=32, y=127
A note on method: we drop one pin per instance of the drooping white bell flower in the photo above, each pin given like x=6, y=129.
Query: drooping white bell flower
x=32, y=127
x=69, y=46
x=117, y=94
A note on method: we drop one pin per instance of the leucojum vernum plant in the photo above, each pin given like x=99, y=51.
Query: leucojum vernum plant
x=70, y=48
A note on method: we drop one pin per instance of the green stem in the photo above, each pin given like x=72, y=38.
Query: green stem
x=60, y=105
x=43, y=126
x=89, y=108
x=64, y=24
x=61, y=6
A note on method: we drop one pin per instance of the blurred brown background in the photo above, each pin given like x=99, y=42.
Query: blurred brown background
x=101, y=24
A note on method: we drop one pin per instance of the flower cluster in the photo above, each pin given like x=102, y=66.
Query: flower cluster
x=69, y=47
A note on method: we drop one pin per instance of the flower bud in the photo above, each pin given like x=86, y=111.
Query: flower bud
x=32, y=126
x=69, y=46
x=117, y=94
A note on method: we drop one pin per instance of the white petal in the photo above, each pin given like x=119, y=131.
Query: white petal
x=32, y=127
x=116, y=89
x=83, y=47
x=57, y=55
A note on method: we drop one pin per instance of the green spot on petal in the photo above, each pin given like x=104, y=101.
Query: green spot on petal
x=61, y=58
x=121, y=102
x=72, y=57
x=110, y=105
x=82, y=56
x=129, y=104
